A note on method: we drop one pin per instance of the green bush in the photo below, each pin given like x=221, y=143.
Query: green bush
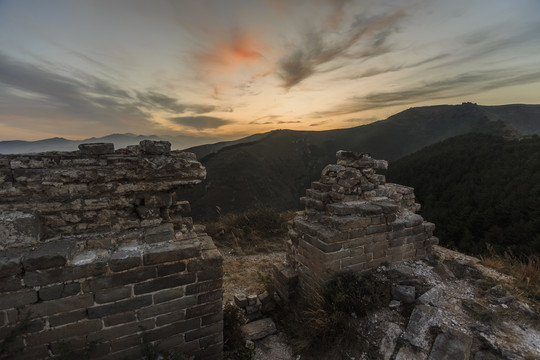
x=233, y=343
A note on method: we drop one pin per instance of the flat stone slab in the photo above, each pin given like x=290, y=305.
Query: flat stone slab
x=451, y=346
x=422, y=319
x=362, y=208
x=259, y=329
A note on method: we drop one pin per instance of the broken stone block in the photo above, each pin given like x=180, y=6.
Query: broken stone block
x=422, y=319
x=150, y=147
x=403, y=293
x=451, y=345
x=258, y=329
x=96, y=148
x=240, y=300
x=19, y=229
x=430, y=297
x=408, y=353
x=389, y=341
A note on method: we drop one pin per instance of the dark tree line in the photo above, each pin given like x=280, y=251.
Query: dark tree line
x=478, y=189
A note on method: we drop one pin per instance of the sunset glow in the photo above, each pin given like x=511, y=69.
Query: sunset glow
x=227, y=69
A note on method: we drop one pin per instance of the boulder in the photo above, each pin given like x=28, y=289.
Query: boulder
x=403, y=293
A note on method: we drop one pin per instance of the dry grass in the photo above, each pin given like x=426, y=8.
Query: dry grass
x=255, y=231
x=526, y=271
x=248, y=274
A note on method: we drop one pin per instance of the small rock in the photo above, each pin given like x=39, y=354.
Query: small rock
x=403, y=293
x=259, y=329
x=394, y=304
x=430, y=297
x=451, y=345
x=389, y=341
x=407, y=353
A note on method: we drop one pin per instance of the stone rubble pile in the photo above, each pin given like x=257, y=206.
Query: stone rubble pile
x=353, y=221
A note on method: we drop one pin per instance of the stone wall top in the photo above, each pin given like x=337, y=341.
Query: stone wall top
x=95, y=189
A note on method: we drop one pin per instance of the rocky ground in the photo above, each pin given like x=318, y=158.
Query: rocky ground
x=448, y=306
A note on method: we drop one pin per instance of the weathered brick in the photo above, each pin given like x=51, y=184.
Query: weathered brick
x=124, y=278
x=17, y=299
x=164, y=270
x=164, y=283
x=57, y=275
x=172, y=329
x=171, y=317
x=56, y=334
x=121, y=330
x=204, y=286
x=124, y=260
x=114, y=294
x=212, y=318
x=9, y=267
x=59, y=291
x=121, y=318
x=204, y=309
x=170, y=253
x=48, y=255
x=120, y=306
x=168, y=294
x=167, y=307
x=211, y=340
x=204, y=331
x=210, y=296
x=11, y=283
x=126, y=342
x=51, y=307
x=66, y=318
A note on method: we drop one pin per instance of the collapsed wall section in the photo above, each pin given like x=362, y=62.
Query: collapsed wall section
x=98, y=253
x=353, y=221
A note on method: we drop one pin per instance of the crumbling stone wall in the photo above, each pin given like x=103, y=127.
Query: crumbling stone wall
x=95, y=248
x=353, y=221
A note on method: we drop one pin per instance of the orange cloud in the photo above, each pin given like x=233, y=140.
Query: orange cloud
x=242, y=49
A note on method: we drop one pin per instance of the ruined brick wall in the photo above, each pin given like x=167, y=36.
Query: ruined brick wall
x=95, y=249
x=353, y=221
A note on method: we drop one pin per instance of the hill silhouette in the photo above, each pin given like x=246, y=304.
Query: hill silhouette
x=275, y=169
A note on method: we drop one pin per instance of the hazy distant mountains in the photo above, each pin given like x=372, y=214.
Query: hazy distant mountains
x=274, y=169
x=119, y=141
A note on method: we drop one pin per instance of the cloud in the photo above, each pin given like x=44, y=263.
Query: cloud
x=239, y=49
x=290, y=122
x=316, y=50
x=156, y=101
x=456, y=86
x=200, y=122
x=86, y=98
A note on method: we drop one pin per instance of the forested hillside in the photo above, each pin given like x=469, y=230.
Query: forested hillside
x=274, y=170
x=478, y=189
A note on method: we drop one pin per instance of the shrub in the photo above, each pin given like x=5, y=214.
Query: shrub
x=233, y=342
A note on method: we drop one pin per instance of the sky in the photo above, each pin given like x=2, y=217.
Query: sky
x=230, y=68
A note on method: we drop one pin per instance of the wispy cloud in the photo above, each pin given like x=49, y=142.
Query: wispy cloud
x=451, y=87
x=240, y=49
x=316, y=50
x=153, y=101
x=200, y=122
